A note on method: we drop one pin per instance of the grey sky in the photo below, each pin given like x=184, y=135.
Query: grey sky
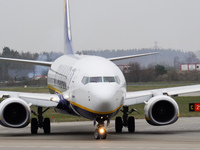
x=37, y=25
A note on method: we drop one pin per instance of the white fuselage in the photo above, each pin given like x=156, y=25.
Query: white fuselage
x=95, y=86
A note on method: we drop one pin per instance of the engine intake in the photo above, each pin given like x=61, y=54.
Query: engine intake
x=14, y=113
x=161, y=110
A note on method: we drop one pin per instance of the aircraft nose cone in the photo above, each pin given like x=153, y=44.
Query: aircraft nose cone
x=103, y=93
x=105, y=98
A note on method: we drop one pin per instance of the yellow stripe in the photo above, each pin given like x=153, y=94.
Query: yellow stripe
x=54, y=89
x=96, y=112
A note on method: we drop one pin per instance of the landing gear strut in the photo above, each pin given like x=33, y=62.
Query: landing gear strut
x=39, y=122
x=125, y=121
x=100, y=132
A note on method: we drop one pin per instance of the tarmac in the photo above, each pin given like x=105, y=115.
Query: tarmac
x=184, y=134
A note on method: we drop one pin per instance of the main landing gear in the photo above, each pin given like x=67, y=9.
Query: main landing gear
x=40, y=122
x=100, y=132
x=125, y=121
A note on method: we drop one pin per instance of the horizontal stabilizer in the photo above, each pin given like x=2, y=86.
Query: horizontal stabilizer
x=132, y=56
x=35, y=62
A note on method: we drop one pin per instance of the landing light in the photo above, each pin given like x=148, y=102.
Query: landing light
x=54, y=99
x=102, y=130
x=66, y=96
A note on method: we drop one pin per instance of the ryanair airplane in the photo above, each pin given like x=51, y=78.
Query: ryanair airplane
x=91, y=87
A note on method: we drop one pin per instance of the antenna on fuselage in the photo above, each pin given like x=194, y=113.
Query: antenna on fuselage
x=68, y=49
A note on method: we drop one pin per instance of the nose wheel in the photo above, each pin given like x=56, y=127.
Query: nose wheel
x=100, y=133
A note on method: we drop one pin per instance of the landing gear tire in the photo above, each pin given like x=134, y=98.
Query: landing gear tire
x=118, y=124
x=100, y=133
x=39, y=122
x=103, y=133
x=104, y=136
x=34, y=126
x=131, y=124
x=46, y=126
x=96, y=134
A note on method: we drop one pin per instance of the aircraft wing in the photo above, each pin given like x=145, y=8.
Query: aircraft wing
x=133, y=98
x=36, y=99
x=131, y=56
x=35, y=62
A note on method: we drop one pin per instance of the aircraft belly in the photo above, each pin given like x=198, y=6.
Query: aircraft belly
x=89, y=114
x=62, y=111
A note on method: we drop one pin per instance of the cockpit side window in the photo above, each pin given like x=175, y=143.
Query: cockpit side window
x=117, y=79
x=85, y=80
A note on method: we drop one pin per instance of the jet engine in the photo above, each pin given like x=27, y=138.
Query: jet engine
x=15, y=113
x=161, y=110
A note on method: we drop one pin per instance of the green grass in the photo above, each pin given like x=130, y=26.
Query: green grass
x=28, y=89
x=148, y=86
x=183, y=102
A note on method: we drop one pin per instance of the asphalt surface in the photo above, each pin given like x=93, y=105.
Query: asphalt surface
x=184, y=134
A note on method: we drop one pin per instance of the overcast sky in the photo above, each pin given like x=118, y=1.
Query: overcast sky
x=37, y=25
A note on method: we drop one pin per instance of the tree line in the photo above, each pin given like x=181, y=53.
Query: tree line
x=5, y=66
x=162, y=67
x=159, y=73
x=166, y=57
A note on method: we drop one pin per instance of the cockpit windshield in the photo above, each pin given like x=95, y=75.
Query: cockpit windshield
x=107, y=79
x=95, y=79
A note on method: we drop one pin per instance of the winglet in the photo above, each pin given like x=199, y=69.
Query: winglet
x=68, y=49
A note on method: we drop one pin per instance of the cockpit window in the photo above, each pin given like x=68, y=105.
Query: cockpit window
x=95, y=79
x=85, y=80
x=111, y=79
x=117, y=79
x=108, y=79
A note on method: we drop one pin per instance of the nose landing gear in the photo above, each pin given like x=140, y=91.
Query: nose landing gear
x=100, y=132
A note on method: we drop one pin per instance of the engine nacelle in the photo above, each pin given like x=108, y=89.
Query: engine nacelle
x=161, y=110
x=15, y=113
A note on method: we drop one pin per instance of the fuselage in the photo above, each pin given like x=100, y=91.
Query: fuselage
x=95, y=87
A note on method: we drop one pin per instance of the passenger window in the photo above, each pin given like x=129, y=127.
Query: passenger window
x=95, y=79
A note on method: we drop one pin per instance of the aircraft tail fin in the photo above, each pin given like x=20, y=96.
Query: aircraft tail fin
x=68, y=49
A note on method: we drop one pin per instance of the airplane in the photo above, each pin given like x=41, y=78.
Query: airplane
x=91, y=87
